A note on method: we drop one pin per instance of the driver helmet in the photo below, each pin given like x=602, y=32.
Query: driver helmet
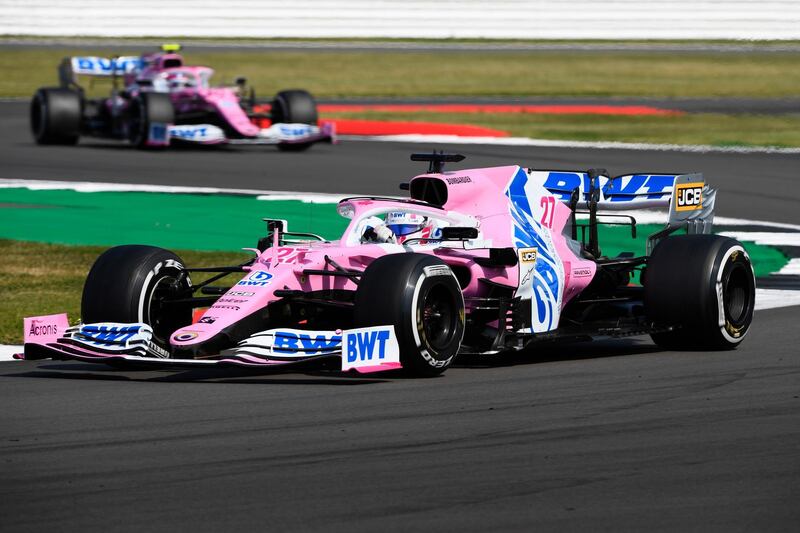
x=404, y=223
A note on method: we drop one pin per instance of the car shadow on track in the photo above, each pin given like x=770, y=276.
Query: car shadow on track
x=548, y=352
x=101, y=372
x=540, y=354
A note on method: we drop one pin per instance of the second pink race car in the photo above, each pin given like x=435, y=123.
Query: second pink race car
x=156, y=99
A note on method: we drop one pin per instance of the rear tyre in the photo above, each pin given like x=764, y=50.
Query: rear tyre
x=420, y=296
x=294, y=106
x=134, y=283
x=55, y=116
x=146, y=110
x=704, y=285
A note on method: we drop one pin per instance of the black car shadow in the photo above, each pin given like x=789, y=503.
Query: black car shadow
x=102, y=372
x=552, y=351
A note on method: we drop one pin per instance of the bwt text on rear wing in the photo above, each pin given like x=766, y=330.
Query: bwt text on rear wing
x=689, y=199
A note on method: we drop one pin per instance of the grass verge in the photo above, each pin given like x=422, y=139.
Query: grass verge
x=409, y=74
x=41, y=279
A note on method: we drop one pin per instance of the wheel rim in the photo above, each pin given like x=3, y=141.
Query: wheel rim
x=439, y=317
x=736, y=294
x=155, y=315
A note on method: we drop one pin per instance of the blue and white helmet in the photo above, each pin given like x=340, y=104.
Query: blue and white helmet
x=404, y=223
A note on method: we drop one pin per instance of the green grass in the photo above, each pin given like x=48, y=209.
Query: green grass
x=41, y=279
x=697, y=128
x=377, y=73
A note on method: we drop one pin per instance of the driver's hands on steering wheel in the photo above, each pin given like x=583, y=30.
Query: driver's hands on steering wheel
x=378, y=232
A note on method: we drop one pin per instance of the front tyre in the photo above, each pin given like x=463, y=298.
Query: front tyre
x=147, y=110
x=704, y=285
x=135, y=283
x=294, y=106
x=419, y=295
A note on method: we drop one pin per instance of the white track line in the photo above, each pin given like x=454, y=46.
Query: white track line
x=766, y=238
x=792, y=268
x=547, y=143
x=6, y=351
x=765, y=299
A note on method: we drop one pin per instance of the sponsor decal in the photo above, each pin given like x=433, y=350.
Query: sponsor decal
x=158, y=133
x=541, y=282
x=620, y=190
x=259, y=278
x=365, y=347
x=232, y=301
x=197, y=132
x=240, y=293
x=40, y=327
x=157, y=350
x=226, y=306
x=688, y=196
x=458, y=179
x=111, y=334
x=309, y=343
x=185, y=336
x=101, y=66
x=293, y=131
x=207, y=320
x=437, y=270
x=581, y=272
x=528, y=255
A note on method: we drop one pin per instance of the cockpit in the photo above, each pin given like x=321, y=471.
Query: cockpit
x=175, y=80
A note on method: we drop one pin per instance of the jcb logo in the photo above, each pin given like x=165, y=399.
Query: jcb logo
x=527, y=255
x=688, y=196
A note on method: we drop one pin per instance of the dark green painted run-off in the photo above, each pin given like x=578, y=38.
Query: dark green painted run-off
x=219, y=222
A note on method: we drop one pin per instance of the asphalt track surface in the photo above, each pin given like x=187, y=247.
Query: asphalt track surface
x=607, y=436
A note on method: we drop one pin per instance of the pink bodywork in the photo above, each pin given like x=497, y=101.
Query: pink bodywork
x=475, y=198
x=200, y=96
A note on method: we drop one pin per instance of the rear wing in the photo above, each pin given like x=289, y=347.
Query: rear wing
x=689, y=199
x=101, y=67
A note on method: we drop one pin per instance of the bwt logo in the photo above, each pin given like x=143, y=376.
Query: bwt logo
x=362, y=345
x=291, y=342
x=259, y=278
x=109, y=334
x=295, y=131
x=101, y=65
x=188, y=133
x=688, y=196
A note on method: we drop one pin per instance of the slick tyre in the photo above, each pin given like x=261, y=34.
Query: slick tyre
x=294, y=106
x=419, y=295
x=704, y=285
x=135, y=283
x=55, y=116
x=146, y=110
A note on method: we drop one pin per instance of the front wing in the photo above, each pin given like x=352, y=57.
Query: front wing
x=280, y=134
x=366, y=350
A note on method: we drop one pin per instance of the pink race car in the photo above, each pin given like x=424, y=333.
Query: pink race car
x=164, y=101
x=476, y=261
